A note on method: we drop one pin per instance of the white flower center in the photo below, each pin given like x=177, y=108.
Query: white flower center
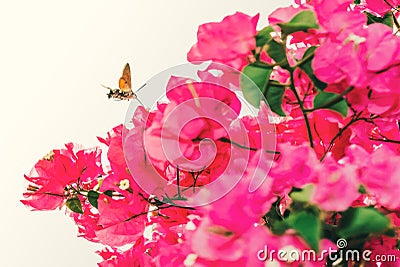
x=124, y=184
x=190, y=260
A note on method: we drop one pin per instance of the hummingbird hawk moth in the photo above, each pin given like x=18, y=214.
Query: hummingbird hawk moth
x=125, y=87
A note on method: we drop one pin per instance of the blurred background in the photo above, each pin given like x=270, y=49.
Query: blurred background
x=53, y=57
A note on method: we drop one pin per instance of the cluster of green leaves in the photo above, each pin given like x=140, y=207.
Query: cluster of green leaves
x=74, y=203
x=256, y=83
x=312, y=224
x=387, y=19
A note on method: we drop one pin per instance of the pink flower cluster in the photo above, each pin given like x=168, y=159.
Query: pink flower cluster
x=335, y=167
x=54, y=176
x=229, y=41
x=357, y=61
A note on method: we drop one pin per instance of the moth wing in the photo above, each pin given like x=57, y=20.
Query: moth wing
x=125, y=84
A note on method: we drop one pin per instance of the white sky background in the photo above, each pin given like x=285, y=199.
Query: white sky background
x=53, y=56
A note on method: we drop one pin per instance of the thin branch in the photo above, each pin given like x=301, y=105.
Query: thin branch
x=396, y=23
x=340, y=132
x=385, y=140
x=159, y=208
x=177, y=182
x=303, y=60
x=303, y=110
x=276, y=83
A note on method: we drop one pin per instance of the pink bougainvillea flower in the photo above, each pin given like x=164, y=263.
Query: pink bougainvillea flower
x=336, y=180
x=115, y=150
x=383, y=163
x=370, y=135
x=291, y=249
x=381, y=6
x=44, y=194
x=219, y=239
x=251, y=134
x=384, y=104
x=372, y=168
x=87, y=222
x=381, y=247
x=361, y=134
x=344, y=23
x=181, y=253
x=302, y=40
x=220, y=213
x=123, y=183
x=121, y=221
x=367, y=58
x=297, y=166
x=133, y=257
x=62, y=167
x=358, y=98
x=284, y=14
x=387, y=129
x=326, y=7
x=74, y=163
x=335, y=62
x=215, y=245
x=385, y=81
x=383, y=48
x=220, y=74
x=324, y=126
x=229, y=41
x=174, y=255
x=165, y=156
x=177, y=132
x=181, y=89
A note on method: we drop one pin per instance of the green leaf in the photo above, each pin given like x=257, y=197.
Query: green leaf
x=308, y=226
x=357, y=2
x=307, y=68
x=322, y=99
x=279, y=227
x=387, y=19
x=304, y=195
x=108, y=193
x=92, y=197
x=274, y=220
x=277, y=52
x=364, y=220
x=391, y=232
x=259, y=75
x=254, y=75
x=303, y=21
x=263, y=36
x=74, y=204
x=274, y=96
x=361, y=189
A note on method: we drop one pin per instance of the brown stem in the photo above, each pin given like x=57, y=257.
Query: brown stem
x=340, y=132
x=303, y=110
x=302, y=61
x=385, y=140
x=159, y=208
